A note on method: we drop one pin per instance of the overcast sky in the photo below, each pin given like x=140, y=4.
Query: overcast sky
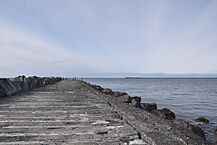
x=81, y=37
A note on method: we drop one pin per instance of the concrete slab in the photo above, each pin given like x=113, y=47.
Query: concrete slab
x=63, y=113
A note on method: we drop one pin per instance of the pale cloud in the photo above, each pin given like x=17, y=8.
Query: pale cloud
x=25, y=54
x=74, y=37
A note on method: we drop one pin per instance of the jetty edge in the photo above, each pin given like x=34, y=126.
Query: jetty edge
x=155, y=126
x=13, y=86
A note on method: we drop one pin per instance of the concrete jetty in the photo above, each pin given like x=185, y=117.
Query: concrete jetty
x=76, y=113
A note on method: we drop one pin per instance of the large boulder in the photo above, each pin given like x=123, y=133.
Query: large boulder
x=34, y=82
x=149, y=106
x=40, y=82
x=52, y=80
x=23, y=82
x=202, y=119
x=186, y=125
x=198, y=131
x=124, y=98
x=49, y=80
x=118, y=94
x=97, y=87
x=165, y=113
x=31, y=83
x=108, y=91
x=18, y=86
x=136, y=101
x=8, y=87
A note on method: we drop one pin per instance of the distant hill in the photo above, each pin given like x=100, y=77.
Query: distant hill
x=167, y=75
x=150, y=75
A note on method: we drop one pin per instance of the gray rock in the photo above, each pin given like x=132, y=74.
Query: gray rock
x=135, y=98
x=165, y=113
x=8, y=87
x=22, y=80
x=97, y=87
x=118, y=94
x=39, y=82
x=108, y=91
x=198, y=131
x=32, y=81
x=202, y=119
x=35, y=82
x=2, y=93
x=18, y=87
x=47, y=80
x=186, y=125
x=149, y=106
x=124, y=99
x=136, y=101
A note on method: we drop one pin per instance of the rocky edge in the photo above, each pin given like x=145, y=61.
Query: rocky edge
x=9, y=87
x=160, y=125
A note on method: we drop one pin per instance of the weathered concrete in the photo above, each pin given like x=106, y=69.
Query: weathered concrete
x=64, y=113
x=72, y=112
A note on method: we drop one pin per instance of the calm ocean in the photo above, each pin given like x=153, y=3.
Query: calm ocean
x=188, y=98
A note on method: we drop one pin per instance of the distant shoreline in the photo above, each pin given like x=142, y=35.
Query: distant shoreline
x=152, y=78
x=170, y=78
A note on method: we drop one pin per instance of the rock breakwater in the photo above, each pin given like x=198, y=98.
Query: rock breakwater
x=9, y=87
